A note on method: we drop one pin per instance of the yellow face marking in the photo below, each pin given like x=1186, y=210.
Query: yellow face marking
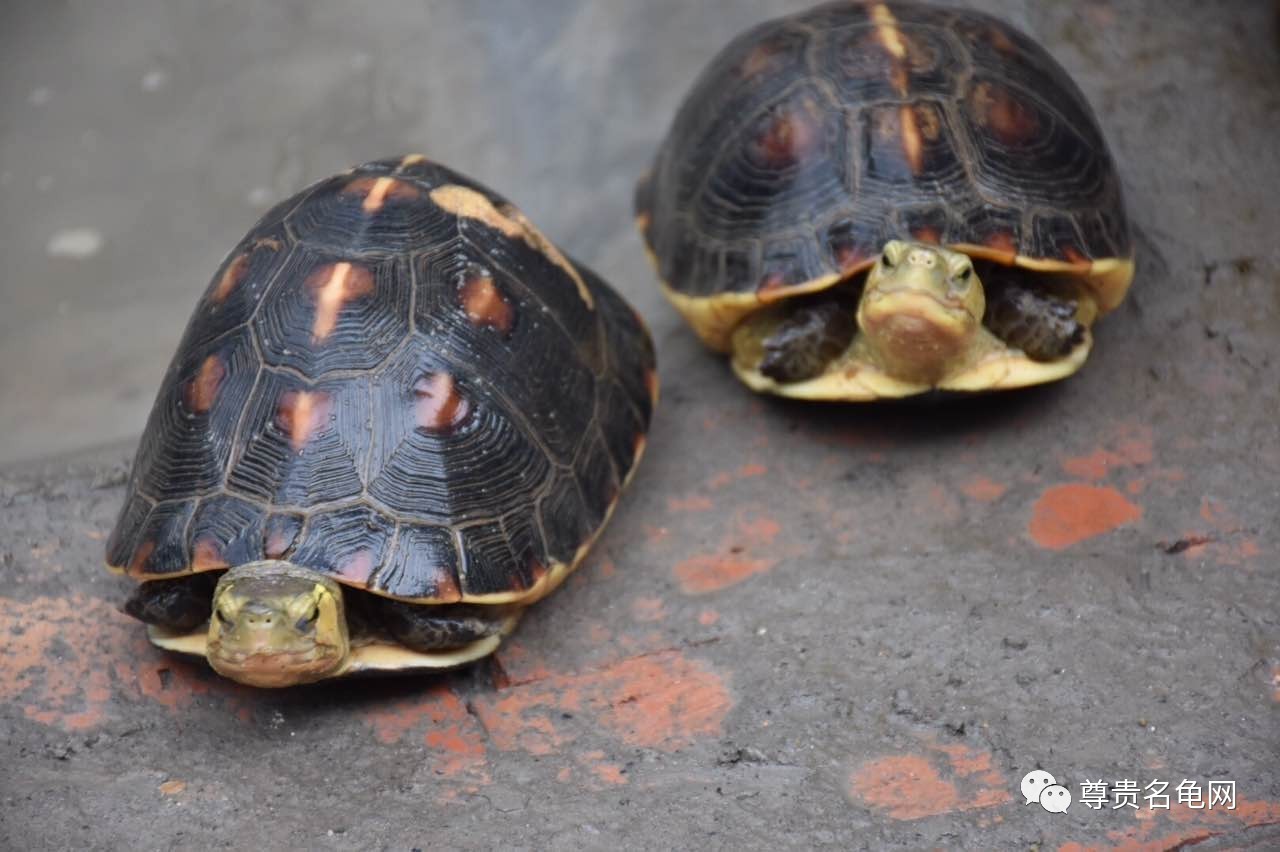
x=301, y=414
x=468, y=204
x=333, y=285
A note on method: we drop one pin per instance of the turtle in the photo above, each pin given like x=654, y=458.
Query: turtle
x=875, y=200
x=398, y=416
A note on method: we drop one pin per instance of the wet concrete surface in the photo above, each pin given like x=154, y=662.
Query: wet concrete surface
x=806, y=626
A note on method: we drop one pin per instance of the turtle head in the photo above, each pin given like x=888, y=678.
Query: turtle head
x=921, y=309
x=276, y=624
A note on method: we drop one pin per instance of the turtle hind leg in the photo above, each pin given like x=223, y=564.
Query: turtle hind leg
x=810, y=336
x=1043, y=325
x=180, y=603
x=434, y=627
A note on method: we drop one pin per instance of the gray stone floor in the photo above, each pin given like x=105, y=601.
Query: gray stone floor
x=807, y=626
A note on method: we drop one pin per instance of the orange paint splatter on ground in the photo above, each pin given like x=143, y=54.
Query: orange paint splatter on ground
x=659, y=700
x=693, y=503
x=451, y=733
x=1133, y=447
x=172, y=788
x=913, y=786
x=708, y=617
x=65, y=660
x=731, y=564
x=1146, y=832
x=648, y=609
x=983, y=490
x=1068, y=514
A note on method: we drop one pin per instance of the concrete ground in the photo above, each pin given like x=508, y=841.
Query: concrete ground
x=807, y=626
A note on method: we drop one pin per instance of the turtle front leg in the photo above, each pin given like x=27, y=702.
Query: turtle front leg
x=427, y=627
x=180, y=604
x=808, y=337
x=1043, y=325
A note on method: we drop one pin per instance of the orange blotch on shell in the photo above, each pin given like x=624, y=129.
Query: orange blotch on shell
x=332, y=286
x=201, y=390
x=357, y=567
x=761, y=58
x=1004, y=114
x=207, y=555
x=1001, y=41
x=377, y=190
x=1004, y=243
x=1068, y=514
x=278, y=539
x=850, y=258
x=302, y=414
x=651, y=385
x=141, y=556
x=231, y=278
x=912, y=144
x=484, y=303
x=438, y=407
x=791, y=135
x=926, y=234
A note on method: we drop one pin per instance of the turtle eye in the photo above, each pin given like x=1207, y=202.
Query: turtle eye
x=886, y=260
x=308, y=621
x=222, y=617
x=965, y=275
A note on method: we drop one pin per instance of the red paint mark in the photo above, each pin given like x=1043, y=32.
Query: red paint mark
x=1181, y=826
x=913, y=786
x=1133, y=448
x=1067, y=514
x=732, y=563
x=302, y=415
x=708, y=617
x=438, y=406
x=693, y=503
x=67, y=661
x=752, y=469
x=454, y=738
x=648, y=609
x=660, y=700
x=983, y=490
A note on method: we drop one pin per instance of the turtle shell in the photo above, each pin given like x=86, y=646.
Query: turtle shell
x=813, y=139
x=397, y=380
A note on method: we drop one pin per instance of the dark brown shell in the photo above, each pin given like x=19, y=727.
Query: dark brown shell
x=813, y=139
x=397, y=380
